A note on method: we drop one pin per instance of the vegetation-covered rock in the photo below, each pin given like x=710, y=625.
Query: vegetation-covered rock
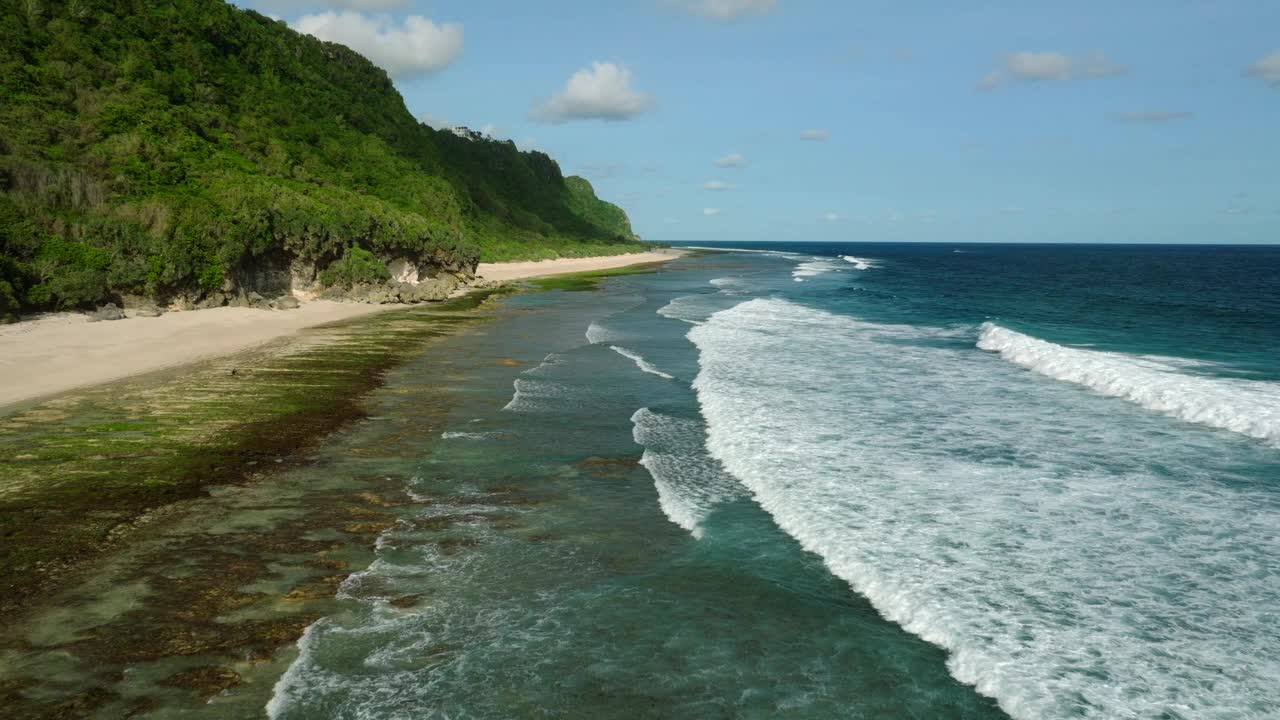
x=171, y=150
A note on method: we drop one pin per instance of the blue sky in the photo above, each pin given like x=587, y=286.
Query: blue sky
x=1086, y=121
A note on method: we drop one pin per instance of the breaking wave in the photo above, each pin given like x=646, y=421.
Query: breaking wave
x=1076, y=559
x=690, y=484
x=640, y=362
x=1248, y=407
x=859, y=263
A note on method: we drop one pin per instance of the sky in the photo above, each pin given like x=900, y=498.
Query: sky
x=862, y=120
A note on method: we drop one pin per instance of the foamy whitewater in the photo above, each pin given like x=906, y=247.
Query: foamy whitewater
x=859, y=263
x=690, y=484
x=931, y=481
x=1004, y=520
x=1245, y=406
x=640, y=362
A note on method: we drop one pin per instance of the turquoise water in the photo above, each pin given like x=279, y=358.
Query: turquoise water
x=822, y=481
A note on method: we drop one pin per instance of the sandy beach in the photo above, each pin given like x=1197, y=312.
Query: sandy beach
x=63, y=351
x=508, y=271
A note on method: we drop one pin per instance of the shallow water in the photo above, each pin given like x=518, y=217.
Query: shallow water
x=597, y=562
x=860, y=481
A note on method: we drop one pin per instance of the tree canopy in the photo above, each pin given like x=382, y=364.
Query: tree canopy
x=161, y=148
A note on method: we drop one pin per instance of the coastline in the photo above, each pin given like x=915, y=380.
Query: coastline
x=252, y=470
x=60, y=352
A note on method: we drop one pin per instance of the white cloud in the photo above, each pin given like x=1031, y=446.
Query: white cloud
x=710, y=212
x=727, y=9
x=601, y=92
x=415, y=47
x=814, y=134
x=1049, y=66
x=732, y=160
x=716, y=185
x=831, y=217
x=1151, y=116
x=991, y=80
x=1268, y=69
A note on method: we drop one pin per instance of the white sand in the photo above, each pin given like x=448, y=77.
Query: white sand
x=63, y=351
x=504, y=272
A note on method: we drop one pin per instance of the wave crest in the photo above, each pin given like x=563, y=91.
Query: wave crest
x=690, y=484
x=640, y=362
x=1248, y=407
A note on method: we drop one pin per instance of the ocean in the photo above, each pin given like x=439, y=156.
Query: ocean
x=858, y=481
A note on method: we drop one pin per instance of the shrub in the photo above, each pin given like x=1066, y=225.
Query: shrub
x=356, y=266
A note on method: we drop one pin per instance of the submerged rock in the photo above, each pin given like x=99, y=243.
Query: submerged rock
x=208, y=680
x=405, y=601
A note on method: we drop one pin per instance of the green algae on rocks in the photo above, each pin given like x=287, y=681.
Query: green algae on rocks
x=174, y=532
x=81, y=472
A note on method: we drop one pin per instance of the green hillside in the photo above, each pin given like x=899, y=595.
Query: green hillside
x=171, y=150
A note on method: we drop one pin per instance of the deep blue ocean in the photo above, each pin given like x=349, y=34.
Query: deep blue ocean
x=873, y=480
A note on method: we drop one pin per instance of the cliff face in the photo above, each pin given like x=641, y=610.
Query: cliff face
x=189, y=149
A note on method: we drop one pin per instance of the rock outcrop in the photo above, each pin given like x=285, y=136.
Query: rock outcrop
x=431, y=289
x=106, y=312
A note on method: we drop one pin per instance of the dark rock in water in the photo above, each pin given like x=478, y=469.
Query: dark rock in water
x=148, y=310
x=107, y=312
x=208, y=680
x=404, y=601
x=285, y=302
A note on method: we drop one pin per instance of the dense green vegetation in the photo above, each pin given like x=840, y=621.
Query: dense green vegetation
x=167, y=149
x=356, y=266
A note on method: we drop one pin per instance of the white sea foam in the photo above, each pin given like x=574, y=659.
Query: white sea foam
x=1249, y=407
x=690, y=308
x=455, y=435
x=860, y=263
x=1078, y=558
x=726, y=283
x=532, y=393
x=597, y=334
x=640, y=362
x=813, y=268
x=690, y=484
x=289, y=684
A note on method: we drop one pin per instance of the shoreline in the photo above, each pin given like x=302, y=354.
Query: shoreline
x=104, y=490
x=60, y=352
x=225, y=470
